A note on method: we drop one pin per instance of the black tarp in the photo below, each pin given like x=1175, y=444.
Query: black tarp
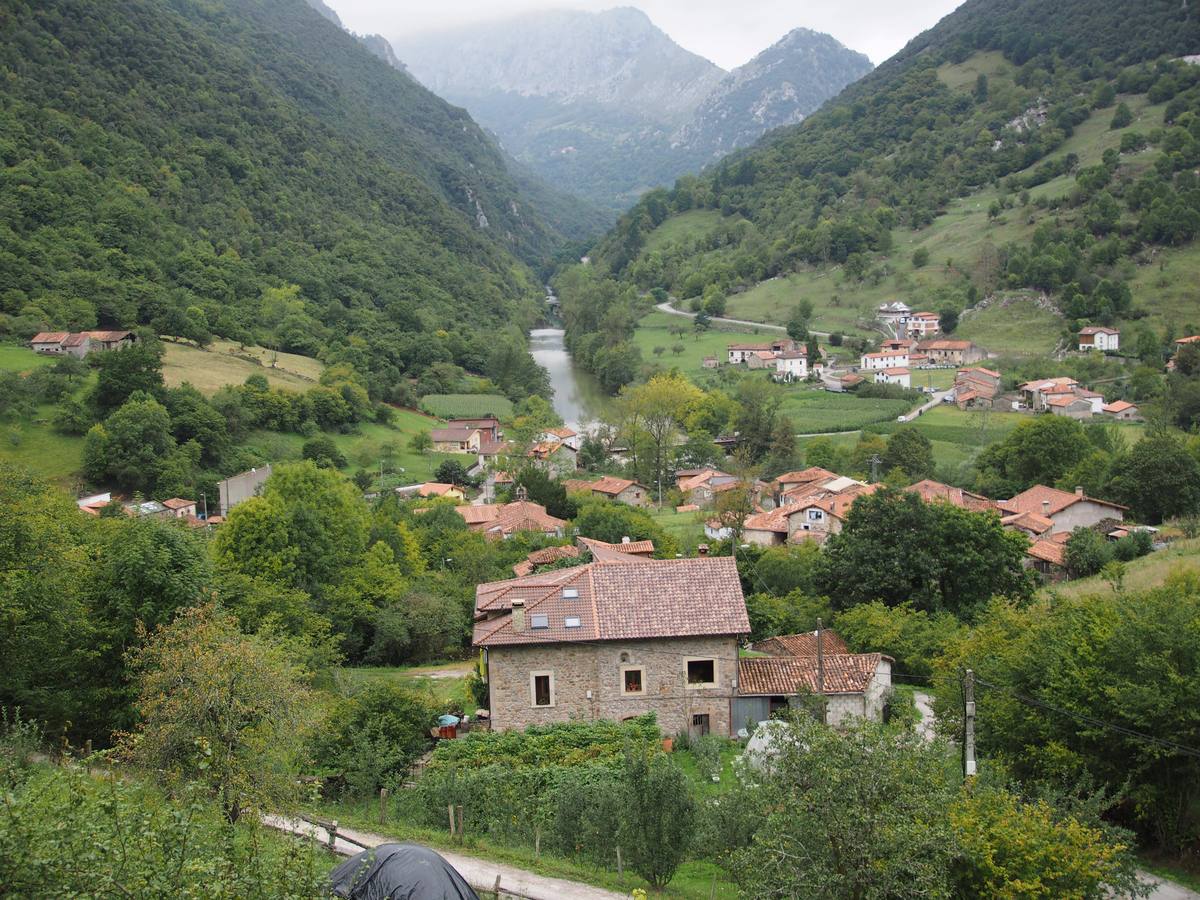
x=399, y=872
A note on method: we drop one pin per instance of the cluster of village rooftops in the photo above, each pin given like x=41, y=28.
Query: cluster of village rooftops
x=619, y=633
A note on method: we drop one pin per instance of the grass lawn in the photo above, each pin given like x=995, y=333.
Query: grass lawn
x=14, y=358
x=654, y=331
x=36, y=446
x=837, y=306
x=1140, y=574
x=962, y=76
x=1167, y=290
x=1013, y=327
x=687, y=528
x=224, y=364
x=815, y=411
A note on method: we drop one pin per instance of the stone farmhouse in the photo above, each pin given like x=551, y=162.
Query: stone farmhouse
x=80, y=343
x=613, y=640
x=701, y=486
x=1065, y=510
x=946, y=352
x=976, y=388
x=619, y=490
x=922, y=325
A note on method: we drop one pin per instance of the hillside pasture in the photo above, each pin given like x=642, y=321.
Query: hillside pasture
x=467, y=406
x=817, y=411
x=654, y=330
x=686, y=226
x=209, y=370
x=1014, y=326
x=15, y=358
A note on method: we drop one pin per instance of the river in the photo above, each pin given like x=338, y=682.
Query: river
x=577, y=395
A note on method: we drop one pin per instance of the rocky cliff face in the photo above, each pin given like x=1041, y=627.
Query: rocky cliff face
x=606, y=105
x=780, y=86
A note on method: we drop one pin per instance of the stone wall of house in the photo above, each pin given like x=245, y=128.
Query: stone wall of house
x=1083, y=515
x=578, y=669
x=634, y=495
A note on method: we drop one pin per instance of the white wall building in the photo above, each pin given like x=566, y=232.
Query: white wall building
x=888, y=359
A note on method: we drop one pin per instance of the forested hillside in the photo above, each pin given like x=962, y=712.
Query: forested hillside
x=165, y=163
x=1069, y=124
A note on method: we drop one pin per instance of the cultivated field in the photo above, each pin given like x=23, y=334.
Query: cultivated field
x=467, y=406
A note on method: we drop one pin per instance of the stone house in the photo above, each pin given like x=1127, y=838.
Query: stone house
x=456, y=438
x=488, y=427
x=1065, y=509
x=557, y=458
x=701, y=487
x=80, y=343
x=502, y=521
x=946, y=352
x=921, y=325
x=1048, y=559
x=613, y=640
x=1122, y=411
x=761, y=359
x=740, y=353
x=180, y=508
x=1071, y=406
x=619, y=490
x=854, y=686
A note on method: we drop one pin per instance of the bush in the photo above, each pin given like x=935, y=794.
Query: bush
x=1134, y=545
x=371, y=739
x=914, y=638
x=1087, y=553
x=707, y=753
x=324, y=452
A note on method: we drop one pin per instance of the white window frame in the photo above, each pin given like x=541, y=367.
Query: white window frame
x=533, y=677
x=706, y=685
x=624, y=692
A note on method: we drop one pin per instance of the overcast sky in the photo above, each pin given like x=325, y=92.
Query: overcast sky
x=729, y=32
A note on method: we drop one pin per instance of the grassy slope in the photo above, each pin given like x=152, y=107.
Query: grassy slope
x=693, y=224
x=956, y=241
x=223, y=363
x=21, y=359
x=653, y=331
x=1140, y=574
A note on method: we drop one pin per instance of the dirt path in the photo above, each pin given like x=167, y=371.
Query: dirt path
x=481, y=874
x=672, y=311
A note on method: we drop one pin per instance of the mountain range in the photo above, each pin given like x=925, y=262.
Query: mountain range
x=606, y=105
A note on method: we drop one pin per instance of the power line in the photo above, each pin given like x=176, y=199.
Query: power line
x=1090, y=720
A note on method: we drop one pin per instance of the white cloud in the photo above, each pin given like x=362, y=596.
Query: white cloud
x=729, y=32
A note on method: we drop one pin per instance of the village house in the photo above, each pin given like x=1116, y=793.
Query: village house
x=1036, y=394
x=1067, y=510
x=238, y=488
x=710, y=362
x=502, y=521
x=740, y=353
x=889, y=359
x=1179, y=345
x=945, y=352
x=555, y=458
x=921, y=325
x=806, y=512
x=1048, y=559
x=791, y=365
x=178, y=508
x=438, y=489
x=488, y=427
x=1098, y=337
x=619, y=490
x=562, y=434
x=935, y=492
x=79, y=344
x=614, y=640
x=701, y=488
x=892, y=345
x=456, y=439
x=761, y=359
x=894, y=315
x=1122, y=411
x=1071, y=406
x=852, y=685
x=976, y=387
x=600, y=550
x=898, y=376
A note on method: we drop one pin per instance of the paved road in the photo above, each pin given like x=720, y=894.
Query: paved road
x=481, y=874
x=672, y=311
x=935, y=400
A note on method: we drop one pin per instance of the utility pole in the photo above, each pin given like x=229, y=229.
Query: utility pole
x=968, y=724
x=875, y=460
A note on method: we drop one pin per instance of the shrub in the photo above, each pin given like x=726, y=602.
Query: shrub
x=324, y=452
x=914, y=638
x=707, y=752
x=1087, y=553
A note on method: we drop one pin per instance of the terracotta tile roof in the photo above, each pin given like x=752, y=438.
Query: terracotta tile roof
x=772, y=520
x=178, y=503
x=1028, y=521
x=990, y=372
x=603, y=550
x=451, y=434
x=542, y=449
x=1118, y=406
x=899, y=370
x=1048, y=384
x=563, y=432
x=930, y=491
x=1098, y=329
x=477, y=515
x=944, y=344
x=50, y=337
x=845, y=673
x=612, y=485
x=1047, y=551
x=544, y=557
x=748, y=347
x=522, y=515
x=693, y=480
x=687, y=507
x=764, y=354
x=1032, y=501
x=435, y=489
x=493, y=448
x=1191, y=339
x=806, y=476
x=662, y=598
x=76, y=340
x=851, y=379
x=804, y=644
x=107, y=336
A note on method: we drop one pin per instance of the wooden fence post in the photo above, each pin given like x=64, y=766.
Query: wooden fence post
x=450, y=808
x=620, y=868
x=333, y=835
x=460, y=824
x=383, y=798
x=496, y=888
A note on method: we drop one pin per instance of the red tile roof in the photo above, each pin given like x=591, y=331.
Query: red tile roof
x=661, y=598
x=930, y=491
x=178, y=503
x=944, y=345
x=544, y=557
x=806, y=476
x=804, y=644
x=899, y=370
x=107, y=336
x=612, y=485
x=50, y=337
x=477, y=515
x=1032, y=501
x=603, y=551
x=76, y=340
x=845, y=673
x=1118, y=406
x=1048, y=551
x=1028, y=521
x=435, y=489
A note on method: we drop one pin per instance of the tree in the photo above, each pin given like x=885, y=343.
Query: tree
x=541, y=488
x=613, y=521
x=920, y=258
x=854, y=813
x=121, y=374
x=981, y=88
x=913, y=637
x=452, y=472
x=732, y=508
x=797, y=324
x=421, y=443
x=1086, y=553
x=658, y=409
x=133, y=443
x=1037, y=451
x=911, y=451
x=219, y=708
x=656, y=824
x=948, y=320
x=1122, y=118
x=322, y=451
x=896, y=548
x=1158, y=479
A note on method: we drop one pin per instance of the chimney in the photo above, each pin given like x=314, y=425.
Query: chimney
x=1078, y=491
x=1046, y=508
x=518, y=616
x=702, y=550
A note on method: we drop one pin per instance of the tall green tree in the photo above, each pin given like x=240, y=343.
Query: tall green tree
x=911, y=451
